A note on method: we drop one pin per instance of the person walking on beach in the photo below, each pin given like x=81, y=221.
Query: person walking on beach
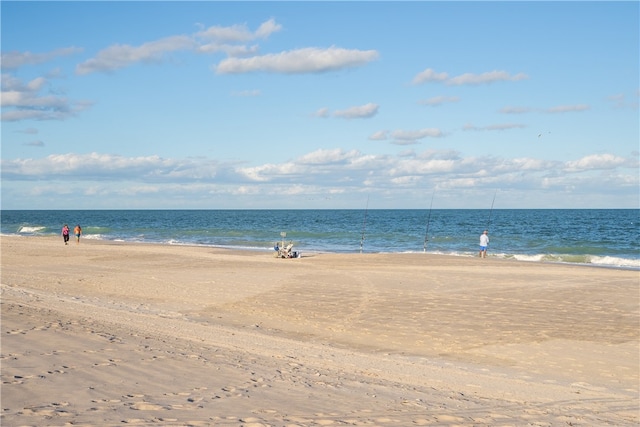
x=65, y=234
x=77, y=231
x=484, y=242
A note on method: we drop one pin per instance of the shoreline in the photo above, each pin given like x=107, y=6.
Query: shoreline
x=501, y=256
x=192, y=333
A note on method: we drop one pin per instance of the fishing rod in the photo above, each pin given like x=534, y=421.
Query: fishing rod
x=426, y=233
x=364, y=225
x=491, y=210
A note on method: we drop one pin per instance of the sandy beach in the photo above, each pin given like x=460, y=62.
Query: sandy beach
x=108, y=333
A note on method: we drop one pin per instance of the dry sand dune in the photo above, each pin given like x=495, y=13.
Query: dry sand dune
x=105, y=333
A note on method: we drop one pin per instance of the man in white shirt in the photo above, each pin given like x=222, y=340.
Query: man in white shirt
x=484, y=242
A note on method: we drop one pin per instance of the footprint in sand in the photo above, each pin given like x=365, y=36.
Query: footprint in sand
x=252, y=422
x=106, y=400
x=145, y=406
x=16, y=331
x=53, y=409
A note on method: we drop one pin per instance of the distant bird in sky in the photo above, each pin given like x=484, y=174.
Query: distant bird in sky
x=540, y=134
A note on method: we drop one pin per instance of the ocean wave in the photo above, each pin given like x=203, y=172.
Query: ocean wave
x=616, y=262
x=523, y=257
x=31, y=229
x=603, y=261
x=94, y=236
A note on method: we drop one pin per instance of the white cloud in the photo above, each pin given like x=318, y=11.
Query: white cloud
x=429, y=75
x=568, y=108
x=436, y=101
x=234, y=33
x=528, y=164
x=380, y=135
x=322, y=113
x=36, y=143
x=306, y=60
x=231, y=50
x=324, y=157
x=359, y=112
x=14, y=60
x=14, y=84
x=120, y=56
x=619, y=101
x=267, y=28
x=597, y=162
x=213, y=39
x=22, y=101
x=239, y=33
x=222, y=39
x=551, y=110
x=120, y=180
x=29, y=99
x=499, y=126
x=106, y=166
x=515, y=110
x=484, y=78
x=406, y=137
x=415, y=166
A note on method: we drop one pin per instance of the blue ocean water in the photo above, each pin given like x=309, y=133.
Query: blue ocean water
x=606, y=237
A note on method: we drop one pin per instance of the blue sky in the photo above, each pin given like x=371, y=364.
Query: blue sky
x=225, y=105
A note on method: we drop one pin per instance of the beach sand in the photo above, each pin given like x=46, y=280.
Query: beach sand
x=108, y=333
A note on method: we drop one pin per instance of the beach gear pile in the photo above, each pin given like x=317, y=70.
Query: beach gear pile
x=285, y=250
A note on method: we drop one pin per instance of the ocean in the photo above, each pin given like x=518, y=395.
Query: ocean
x=601, y=237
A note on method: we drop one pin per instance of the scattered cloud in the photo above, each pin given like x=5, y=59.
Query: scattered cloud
x=230, y=40
x=619, y=101
x=328, y=157
x=599, y=162
x=380, y=135
x=568, y=108
x=238, y=33
x=322, y=113
x=36, y=143
x=357, y=112
x=429, y=75
x=96, y=166
x=120, y=56
x=298, y=61
x=28, y=131
x=551, y=110
x=15, y=60
x=414, y=135
x=21, y=101
x=484, y=78
x=230, y=50
x=500, y=126
x=516, y=110
x=406, y=137
x=360, y=112
x=337, y=171
x=439, y=100
x=319, y=172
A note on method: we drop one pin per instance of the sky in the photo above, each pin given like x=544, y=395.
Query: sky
x=320, y=105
